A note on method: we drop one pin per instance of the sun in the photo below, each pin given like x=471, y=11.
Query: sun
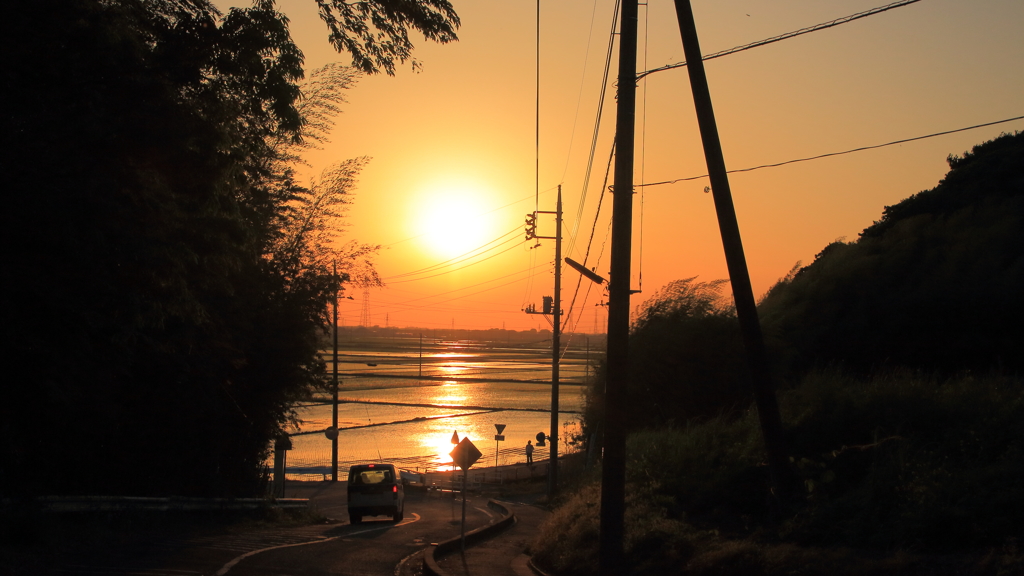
x=452, y=218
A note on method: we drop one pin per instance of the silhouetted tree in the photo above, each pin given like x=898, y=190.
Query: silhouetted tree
x=376, y=33
x=935, y=284
x=165, y=276
x=685, y=358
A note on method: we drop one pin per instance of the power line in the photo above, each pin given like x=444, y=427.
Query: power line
x=527, y=270
x=597, y=128
x=579, y=96
x=474, y=263
x=787, y=35
x=493, y=210
x=458, y=259
x=819, y=156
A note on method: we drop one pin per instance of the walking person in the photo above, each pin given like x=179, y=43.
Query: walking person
x=529, y=452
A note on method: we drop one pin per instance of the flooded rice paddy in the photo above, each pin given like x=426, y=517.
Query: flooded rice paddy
x=402, y=403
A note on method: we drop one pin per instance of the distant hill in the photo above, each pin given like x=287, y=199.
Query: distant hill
x=936, y=284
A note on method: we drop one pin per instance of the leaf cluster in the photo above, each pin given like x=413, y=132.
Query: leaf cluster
x=376, y=33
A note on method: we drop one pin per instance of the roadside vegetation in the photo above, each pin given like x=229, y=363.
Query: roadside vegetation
x=899, y=367
x=167, y=275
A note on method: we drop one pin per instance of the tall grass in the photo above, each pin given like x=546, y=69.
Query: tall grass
x=893, y=469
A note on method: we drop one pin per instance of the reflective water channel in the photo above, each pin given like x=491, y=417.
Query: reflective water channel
x=400, y=405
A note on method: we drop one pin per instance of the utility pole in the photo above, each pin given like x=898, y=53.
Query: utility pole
x=556, y=325
x=556, y=350
x=334, y=387
x=743, y=294
x=613, y=469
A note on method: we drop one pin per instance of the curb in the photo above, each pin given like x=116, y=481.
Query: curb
x=430, y=566
x=536, y=569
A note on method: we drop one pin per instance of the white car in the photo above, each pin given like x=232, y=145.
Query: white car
x=375, y=490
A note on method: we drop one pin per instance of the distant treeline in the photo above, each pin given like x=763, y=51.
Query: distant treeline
x=491, y=335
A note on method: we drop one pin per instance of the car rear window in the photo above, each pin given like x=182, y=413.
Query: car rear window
x=370, y=476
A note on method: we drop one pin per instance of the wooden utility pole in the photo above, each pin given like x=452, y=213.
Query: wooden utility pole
x=334, y=386
x=743, y=294
x=613, y=469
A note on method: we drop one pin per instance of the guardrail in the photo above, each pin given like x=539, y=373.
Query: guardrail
x=130, y=503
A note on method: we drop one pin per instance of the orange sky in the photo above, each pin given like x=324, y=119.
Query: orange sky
x=453, y=146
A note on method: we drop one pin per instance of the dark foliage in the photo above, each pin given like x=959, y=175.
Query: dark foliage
x=900, y=474
x=153, y=336
x=377, y=33
x=906, y=460
x=934, y=284
x=686, y=358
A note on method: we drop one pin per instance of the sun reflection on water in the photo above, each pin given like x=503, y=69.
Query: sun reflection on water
x=439, y=445
x=453, y=369
x=451, y=393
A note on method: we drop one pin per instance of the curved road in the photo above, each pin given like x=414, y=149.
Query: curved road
x=376, y=547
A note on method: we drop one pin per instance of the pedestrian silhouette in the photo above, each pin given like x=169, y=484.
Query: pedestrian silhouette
x=529, y=451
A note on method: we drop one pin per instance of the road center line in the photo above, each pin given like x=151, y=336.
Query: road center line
x=227, y=567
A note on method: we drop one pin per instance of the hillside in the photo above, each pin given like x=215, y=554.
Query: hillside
x=935, y=284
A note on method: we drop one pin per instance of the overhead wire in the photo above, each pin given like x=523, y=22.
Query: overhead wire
x=473, y=263
x=491, y=211
x=579, y=96
x=593, y=229
x=643, y=75
x=830, y=154
x=527, y=270
x=536, y=119
x=597, y=128
x=643, y=152
x=786, y=36
x=458, y=259
x=806, y=30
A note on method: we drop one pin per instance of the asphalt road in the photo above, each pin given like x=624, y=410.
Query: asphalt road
x=376, y=547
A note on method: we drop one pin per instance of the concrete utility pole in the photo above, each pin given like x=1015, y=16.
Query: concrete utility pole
x=556, y=349
x=613, y=470
x=746, y=308
x=556, y=312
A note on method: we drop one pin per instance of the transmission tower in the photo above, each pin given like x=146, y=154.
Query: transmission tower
x=364, y=318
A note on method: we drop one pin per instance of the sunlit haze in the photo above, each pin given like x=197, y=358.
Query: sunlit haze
x=453, y=146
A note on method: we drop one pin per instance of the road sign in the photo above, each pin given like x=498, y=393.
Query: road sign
x=465, y=454
x=499, y=437
x=500, y=428
x=331, y=433
x=455, y=437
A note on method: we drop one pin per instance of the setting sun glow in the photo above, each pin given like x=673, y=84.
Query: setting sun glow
x=451, y=219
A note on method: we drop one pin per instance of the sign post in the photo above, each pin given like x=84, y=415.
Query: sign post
x=455, y=440
x=497, y=438
x=465, y=455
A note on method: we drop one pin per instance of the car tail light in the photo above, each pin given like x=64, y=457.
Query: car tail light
x=394, y=489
